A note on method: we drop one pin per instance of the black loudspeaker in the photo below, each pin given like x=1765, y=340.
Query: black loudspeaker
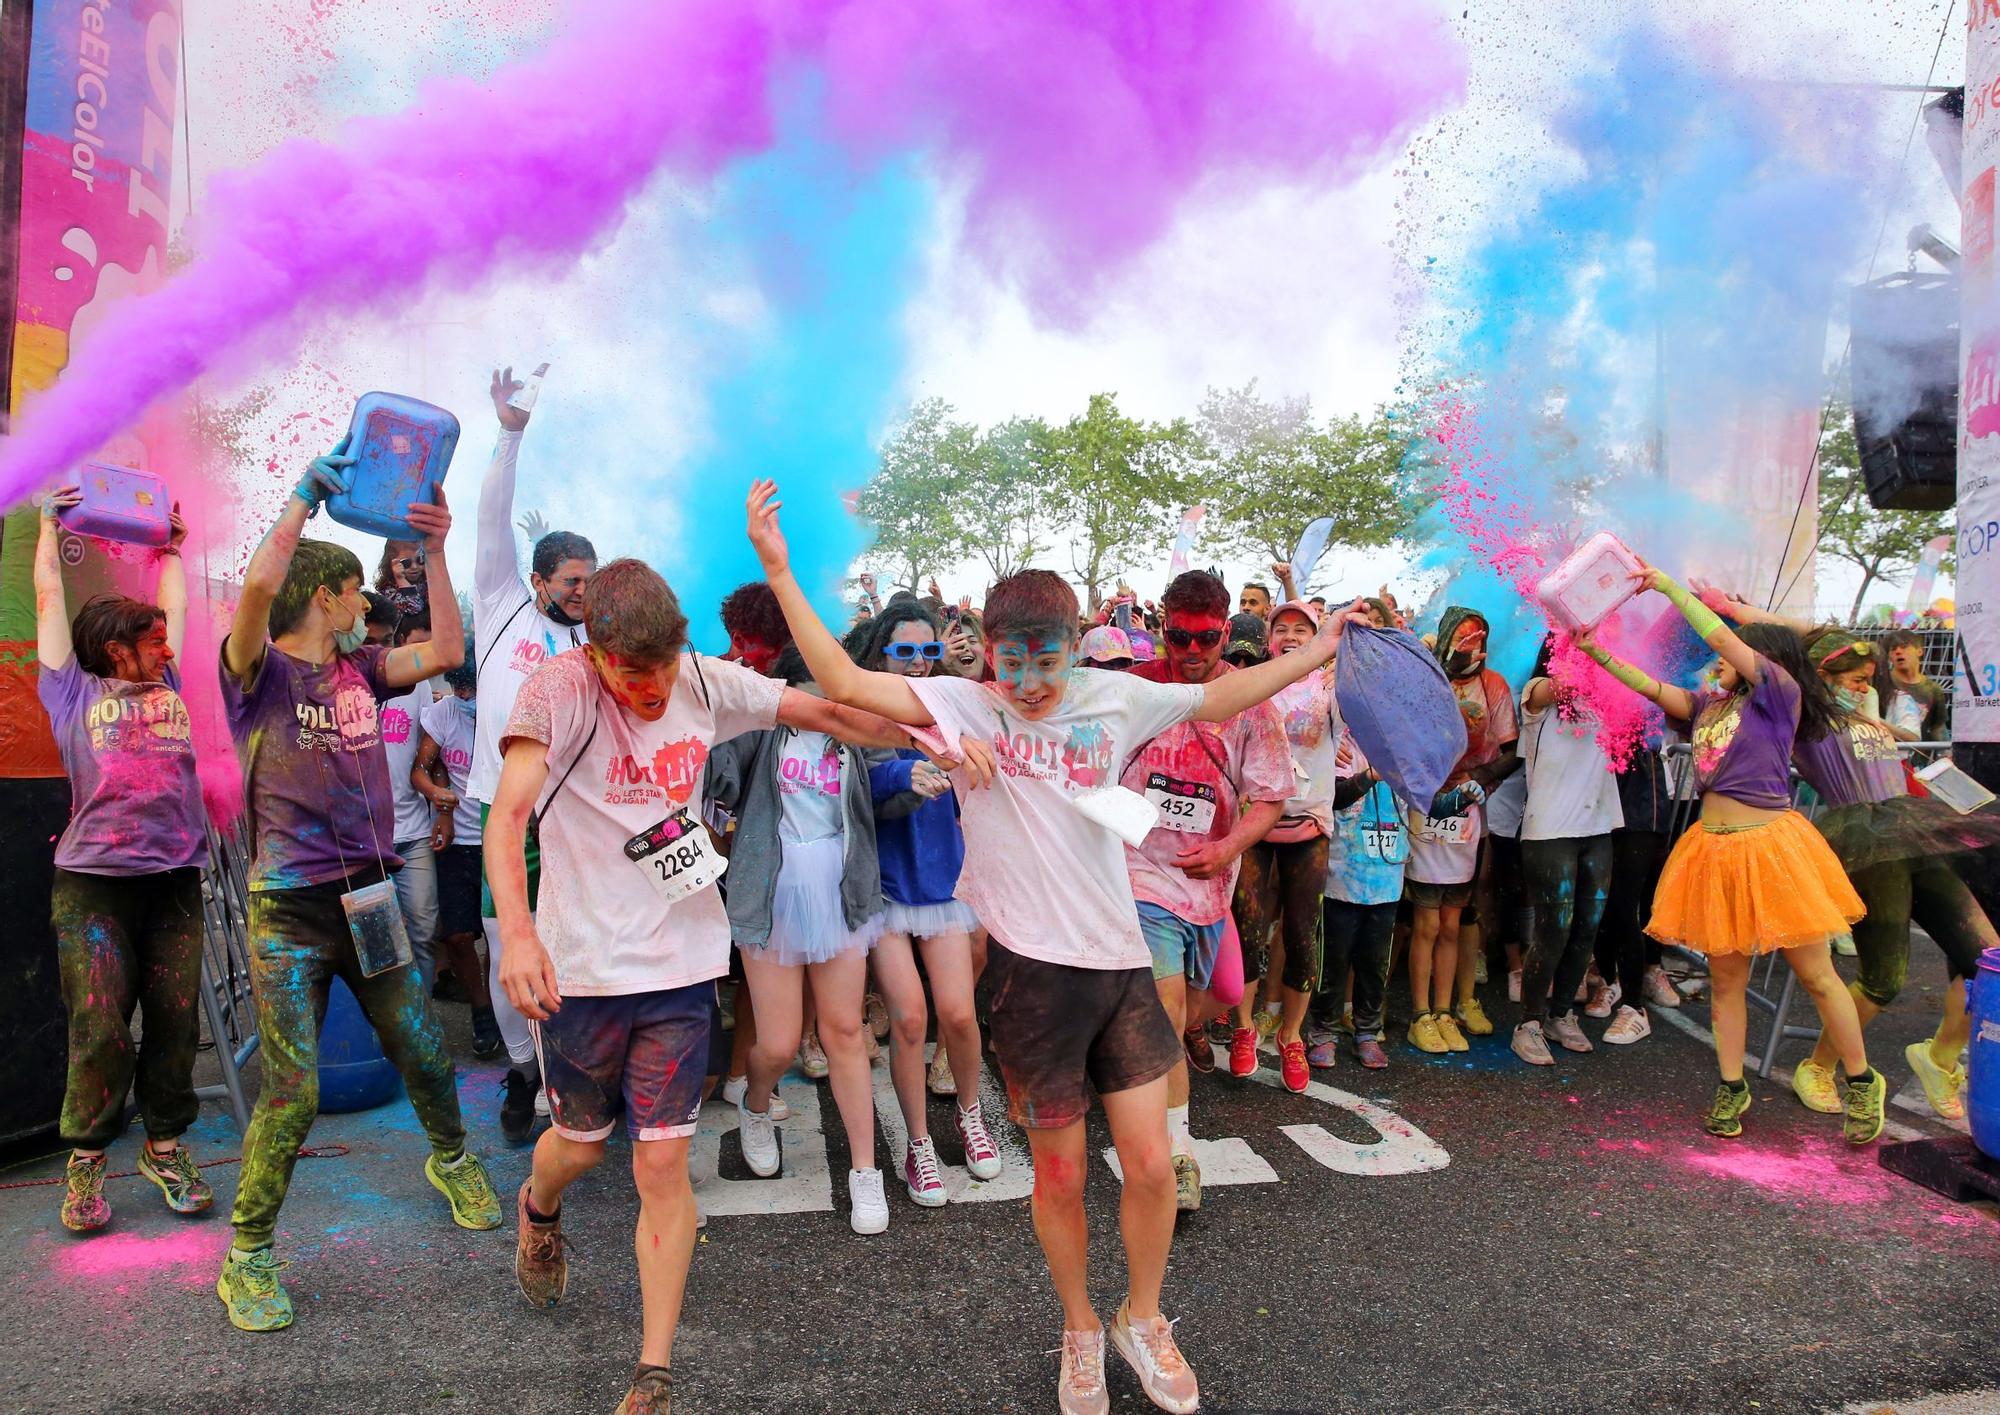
x=1904, y=371
x=34, y=1030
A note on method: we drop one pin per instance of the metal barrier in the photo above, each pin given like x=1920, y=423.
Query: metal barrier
x=226, y=1001
x=1764, y=971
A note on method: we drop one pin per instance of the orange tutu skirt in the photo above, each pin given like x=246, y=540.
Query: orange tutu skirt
x=1753, y=889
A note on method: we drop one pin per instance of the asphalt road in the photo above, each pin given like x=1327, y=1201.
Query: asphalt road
x=1586, y=1247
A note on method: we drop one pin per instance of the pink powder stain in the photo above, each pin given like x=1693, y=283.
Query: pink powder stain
x=1819, y=1174
x=194, y=1255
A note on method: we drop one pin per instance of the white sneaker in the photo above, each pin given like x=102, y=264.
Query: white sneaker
x=1630, y=1025
x=735, y=1088
x=1659, y=988
x=812, y=1057
x=940, y=1081
x=1567, y=1034
x=1080, y=1388
x=759, y=1134
x=1843, y=944
x=1603, y=1000
x=982, y=1156
x=1149, y=1348
x=1530, y=1046
x=921, y=1175
x=542, y=1101
x=1514, y=985
x=871, y=1209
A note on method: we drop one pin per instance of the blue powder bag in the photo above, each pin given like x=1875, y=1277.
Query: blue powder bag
x=1397, y=702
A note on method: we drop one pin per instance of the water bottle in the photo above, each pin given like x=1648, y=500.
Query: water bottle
x=524, y=396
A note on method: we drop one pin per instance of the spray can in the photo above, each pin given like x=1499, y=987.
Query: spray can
x=524, y=396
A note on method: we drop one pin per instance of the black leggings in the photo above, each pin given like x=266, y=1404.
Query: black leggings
x=1282, y=883
x=1567, y=881
x=1360, y=936
x=1624, y=949
x=1929, y=892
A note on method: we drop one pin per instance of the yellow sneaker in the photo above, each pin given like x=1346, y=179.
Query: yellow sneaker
x=1425, y=1036
x=1449, y=1034
x=1941, y=1087
x=1472, y=1018
x=1813, y=1085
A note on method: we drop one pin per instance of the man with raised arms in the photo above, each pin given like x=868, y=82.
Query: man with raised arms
x=1074, y=1009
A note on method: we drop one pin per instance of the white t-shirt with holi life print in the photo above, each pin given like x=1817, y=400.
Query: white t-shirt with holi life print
x=1313, y=730
x=605, y=919
x=449, y=721
x=1046, y=880
x=399, y=742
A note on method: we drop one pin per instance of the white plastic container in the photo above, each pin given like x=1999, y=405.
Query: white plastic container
x=1592, y=581
x=524, y=397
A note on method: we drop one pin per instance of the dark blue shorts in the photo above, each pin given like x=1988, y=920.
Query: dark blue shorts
x=643, y=1054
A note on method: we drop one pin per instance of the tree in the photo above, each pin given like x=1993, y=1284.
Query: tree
x=913, y=500
x=1268, y=470
x=1120, y=485
x=1885, y=544
x=1004, y=506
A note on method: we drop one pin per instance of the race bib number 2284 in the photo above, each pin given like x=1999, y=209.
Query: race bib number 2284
x=676, y=857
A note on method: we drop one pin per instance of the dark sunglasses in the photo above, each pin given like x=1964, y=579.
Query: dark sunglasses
x=1182, y=638
x=906, y=652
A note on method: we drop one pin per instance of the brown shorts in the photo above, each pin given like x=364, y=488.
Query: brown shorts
x=1433, y=896
x=1062, y=1032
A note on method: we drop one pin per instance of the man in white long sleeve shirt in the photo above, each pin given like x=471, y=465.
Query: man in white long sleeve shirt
x=518, y=625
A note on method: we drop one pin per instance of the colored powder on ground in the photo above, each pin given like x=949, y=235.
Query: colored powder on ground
x=1812, y=1173
x=191, y=1255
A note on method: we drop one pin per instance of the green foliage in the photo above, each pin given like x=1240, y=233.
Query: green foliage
x=913, y=497
x=1121, y=485
x=1884, y=544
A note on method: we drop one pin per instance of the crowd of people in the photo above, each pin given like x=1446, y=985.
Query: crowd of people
x=1117, y=848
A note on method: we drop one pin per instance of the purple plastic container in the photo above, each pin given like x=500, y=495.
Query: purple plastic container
x=120, y=503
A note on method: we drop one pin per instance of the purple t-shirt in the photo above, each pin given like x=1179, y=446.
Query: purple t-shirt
x=314, y=769
x=135, y=801
x=1743, y=741
x=1855, y=764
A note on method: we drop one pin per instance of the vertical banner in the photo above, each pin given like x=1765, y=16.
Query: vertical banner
x=102, y=99
x=1184, y=542
x=1975, y=713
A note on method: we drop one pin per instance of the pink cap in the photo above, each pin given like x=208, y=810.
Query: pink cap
x=1299, y=606
x=1105, y=643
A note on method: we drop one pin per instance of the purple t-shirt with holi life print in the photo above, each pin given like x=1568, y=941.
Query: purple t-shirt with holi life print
x=314, y=768
x=1858, y=762
x=135, y=801
x=1743, y=741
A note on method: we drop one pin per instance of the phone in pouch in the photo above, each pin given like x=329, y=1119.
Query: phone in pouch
x=375, y=918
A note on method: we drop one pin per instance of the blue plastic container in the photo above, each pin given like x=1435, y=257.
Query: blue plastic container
x=1982, y=1081
x=401, y=448
x=120, y=503
x=353, y=1072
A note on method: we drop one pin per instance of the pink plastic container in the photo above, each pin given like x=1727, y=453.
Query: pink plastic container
x=120, y=503
x=1593, y=581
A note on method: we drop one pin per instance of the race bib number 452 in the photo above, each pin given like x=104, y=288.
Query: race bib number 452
x=1186, y=806
x=676, y=857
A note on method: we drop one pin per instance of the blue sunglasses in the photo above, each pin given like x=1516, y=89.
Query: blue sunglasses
x=904, y=653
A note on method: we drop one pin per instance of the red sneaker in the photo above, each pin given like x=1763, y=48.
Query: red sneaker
x=1243, y=1051
x=1292, y=1066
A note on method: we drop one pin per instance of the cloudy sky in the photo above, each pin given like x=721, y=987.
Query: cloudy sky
x=1309, y=292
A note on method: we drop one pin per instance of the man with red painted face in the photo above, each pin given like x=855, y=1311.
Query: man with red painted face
x=1074, y=1007
x=756, y=627
x=1218, y=790
x=606, y=748
x=519, y=626
x=127, y=899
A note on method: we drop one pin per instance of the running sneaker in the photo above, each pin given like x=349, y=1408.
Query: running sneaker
x=1424, y=1034
x=84, y=1207
x=486, y=1039
x=922, y=1177
x=517, y=1107
x=541, y=1267
x=1187, y=1184
x=1322, y=1045
x=1592, y=981
x=1448, y=1033
x=1368, y=1051
x=1567, y=1034
x=1603, y=1000
x=1843, y=945
x=1531, y=1046
x=759, y=1137
x=982, y=1156
x=1813, y=1085
x=650, y=1393
x=1147, y=1344
x=1242, y=1051
x=463, y=1181
x=1941, y=1087
x=1292, y=1068
x=940, y=1081
x=1865, y=1100
x=187, y=1192
x=870, y=1207
x=735, y=1088
x=1266, y=1020
x=812, y=1057
x=541, y=1103
x=1200, y=1052
x=1630, y=1025
x=1514, y=985
x=1659, y=988
x=250, y=1289
x=1080, y=1389
x=876, y=1014
x=1472, y=1019
x=1725, y=1112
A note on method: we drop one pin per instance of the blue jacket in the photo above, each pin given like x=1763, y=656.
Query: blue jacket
x=918, y=842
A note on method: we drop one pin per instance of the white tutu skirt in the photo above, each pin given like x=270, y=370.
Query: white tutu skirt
x=806, y=921
x=929, y=920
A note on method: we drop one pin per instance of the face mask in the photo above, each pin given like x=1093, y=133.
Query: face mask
x=350, y=639
x=1461, y=664
x=1849, y=700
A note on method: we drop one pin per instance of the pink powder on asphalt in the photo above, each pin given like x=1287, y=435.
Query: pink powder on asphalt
x=194, y=1254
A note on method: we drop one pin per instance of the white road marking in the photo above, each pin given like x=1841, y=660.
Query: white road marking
x=1017, y=1175
x=803, y=1185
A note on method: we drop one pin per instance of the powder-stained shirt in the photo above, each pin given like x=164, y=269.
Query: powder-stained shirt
x=1225, y=767
x=314, y=771
x=399, y=718
x=1049, y=882
x=1858, y=762
x=128, y=748
x=451, y=722
x=1487, y=704
x=809, y=786
x=1313, y=730
x=614, y=776
x=1369, y=847
x=1743, y=741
